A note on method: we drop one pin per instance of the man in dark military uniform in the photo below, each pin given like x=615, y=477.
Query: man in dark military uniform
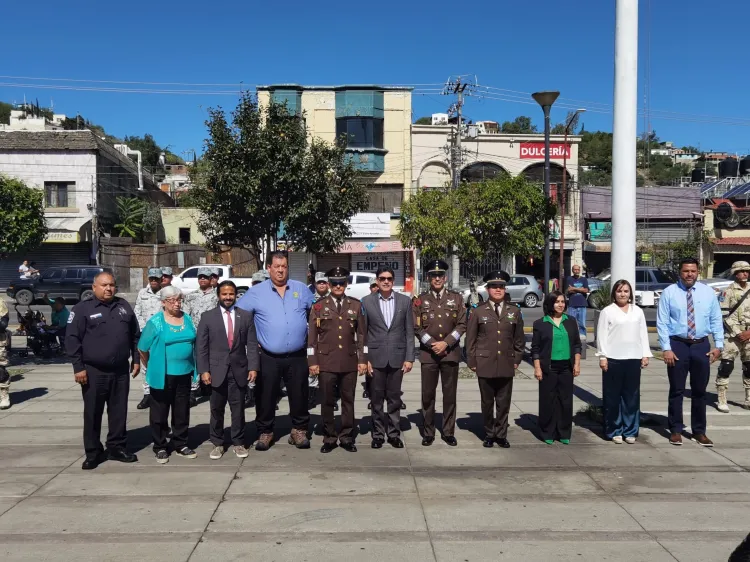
x=101, y=339
x=335, y=354
x=495, y=344
x=439, y=323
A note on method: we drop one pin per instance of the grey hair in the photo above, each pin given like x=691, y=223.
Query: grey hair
x=168, y=292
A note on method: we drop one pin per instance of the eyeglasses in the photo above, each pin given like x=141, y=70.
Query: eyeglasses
x=173, y=301
x=386, y=279
x=337, y=283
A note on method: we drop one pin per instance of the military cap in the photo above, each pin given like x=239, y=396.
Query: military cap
x=497, y=278
x=438, y=267
x=321, y=277
x=337, y=274
x=154, y=272
x=215, y=271
x=258, y=277
x=204, y=272
x=166, y=271
x=740, y=266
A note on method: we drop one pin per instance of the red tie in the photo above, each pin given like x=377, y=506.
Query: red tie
x=230, y=329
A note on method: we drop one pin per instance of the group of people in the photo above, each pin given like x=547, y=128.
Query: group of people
x=281, y=332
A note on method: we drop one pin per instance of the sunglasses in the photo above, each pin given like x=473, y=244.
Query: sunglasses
x=386, y=279
x=337, y=283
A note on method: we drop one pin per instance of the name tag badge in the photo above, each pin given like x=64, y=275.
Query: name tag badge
x=97, y=315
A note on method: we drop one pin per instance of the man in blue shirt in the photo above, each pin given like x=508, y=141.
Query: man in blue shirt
x=577, y=289
x=280, y=307
x=688, y=313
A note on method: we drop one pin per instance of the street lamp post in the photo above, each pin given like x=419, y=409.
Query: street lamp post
x=546, y=99
x=563, y=195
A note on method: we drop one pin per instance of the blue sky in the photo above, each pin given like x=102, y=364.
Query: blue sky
x=519, y=45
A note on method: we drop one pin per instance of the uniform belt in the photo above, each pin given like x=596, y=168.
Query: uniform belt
x=299, y=353
x=688, y=341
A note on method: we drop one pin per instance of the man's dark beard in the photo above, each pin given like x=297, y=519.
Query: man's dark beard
x=225, y=307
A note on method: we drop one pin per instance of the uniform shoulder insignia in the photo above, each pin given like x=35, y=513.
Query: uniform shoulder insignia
x=317, y=306
x=418, y=302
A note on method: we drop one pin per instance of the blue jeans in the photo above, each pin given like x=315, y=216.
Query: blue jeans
x=621, y=396
x=579, y=313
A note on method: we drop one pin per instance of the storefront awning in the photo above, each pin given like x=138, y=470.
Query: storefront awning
x=371, y=246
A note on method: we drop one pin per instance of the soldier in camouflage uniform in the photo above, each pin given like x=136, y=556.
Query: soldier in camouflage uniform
x=4, y=350
x=195, y=304
x=737, y=336
x=215, y=274
x=147, y=304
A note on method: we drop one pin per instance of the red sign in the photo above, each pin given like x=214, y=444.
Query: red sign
x=535, y=150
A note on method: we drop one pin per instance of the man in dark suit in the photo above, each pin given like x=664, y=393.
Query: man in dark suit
x=495, y=344
x=335, y=355
x=440, y=320
x=227, y=359
x=389, y=350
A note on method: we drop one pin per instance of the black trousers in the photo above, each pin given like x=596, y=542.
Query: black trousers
x=386, y=385
x=447, y=372
x=227, y=391
x=108, y=388
x=346, y=383
x=292, y=369
x=175, y=396
x=693, y=361
x=556, y=401
x=495, y=394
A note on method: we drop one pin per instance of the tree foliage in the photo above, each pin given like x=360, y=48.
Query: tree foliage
x=503, y=214
x=22, y=225
x=423, y=121
x=130, y=213
x=259, y=171
x=519, y=126
x=571, y=120
x=150, y=150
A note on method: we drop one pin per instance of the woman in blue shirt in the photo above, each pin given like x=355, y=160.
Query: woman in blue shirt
x=167, y=347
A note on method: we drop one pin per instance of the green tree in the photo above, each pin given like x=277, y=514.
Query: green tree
x=21, y=217
x=150, y=150
x=595, y=150
x=571, y=119
x=130, y=213
x=423, y=121
x=506, y=214
x=519, y=126
x=259, y=172
x=691, y=149
x=5, y=109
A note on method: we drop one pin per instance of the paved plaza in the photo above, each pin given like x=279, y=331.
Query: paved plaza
x=591, y=500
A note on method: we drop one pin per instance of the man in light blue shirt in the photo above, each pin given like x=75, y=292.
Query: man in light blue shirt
x=280, y=307
x=688, y=313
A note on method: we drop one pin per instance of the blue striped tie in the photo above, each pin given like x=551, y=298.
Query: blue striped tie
x=690, y=316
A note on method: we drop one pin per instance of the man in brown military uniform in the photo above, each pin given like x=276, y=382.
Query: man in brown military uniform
x=336, y=354
x=495, y=344
x=439, y=322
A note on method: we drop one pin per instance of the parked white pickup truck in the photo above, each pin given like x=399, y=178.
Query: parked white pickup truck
x=187, y=281
x=359, y=284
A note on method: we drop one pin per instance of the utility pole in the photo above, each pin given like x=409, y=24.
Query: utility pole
x=623, y=147
x=456, y=86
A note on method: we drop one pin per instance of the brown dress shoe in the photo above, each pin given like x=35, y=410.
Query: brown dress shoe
x=675, y=439
x=264, y=442
x=299, y=439
x=701, y=439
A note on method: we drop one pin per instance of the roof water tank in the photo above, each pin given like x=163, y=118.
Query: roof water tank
x=728, y=168
x=698, y=175
x=745, y=166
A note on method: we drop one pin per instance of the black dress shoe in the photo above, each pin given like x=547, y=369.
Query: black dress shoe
x=376, y=443
x=250, y=398
x=327, y=447
x=193, y=398
x=145, y=402
x=427, y=441
x=450, y=440
x=91, y=464
x=365, y=394
x=121, y=455
x=351, y=447
x=396, y=443
x=488, y=443
x=503, y=442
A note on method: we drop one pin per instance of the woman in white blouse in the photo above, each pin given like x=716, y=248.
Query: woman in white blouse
x=623, y=350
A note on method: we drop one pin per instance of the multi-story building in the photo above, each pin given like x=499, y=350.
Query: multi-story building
x=81, y=176
x=375, y=122
x=488, y=153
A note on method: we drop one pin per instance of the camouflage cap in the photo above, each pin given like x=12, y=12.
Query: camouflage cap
x=259, y=277
x=215, y=271
x=740, y=266
x=320, y=276
x=204, y=272
x=166, y=271
x=154, y=272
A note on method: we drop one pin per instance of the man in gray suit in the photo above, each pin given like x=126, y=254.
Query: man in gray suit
x=228, y=358
x=389, y=351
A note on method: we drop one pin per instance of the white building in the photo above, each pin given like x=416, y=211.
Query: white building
x=21, y=120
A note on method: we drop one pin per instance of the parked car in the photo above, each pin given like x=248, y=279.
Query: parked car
x=720, y=283
x=647, y=278
x=71, y=282
x=187, y=281
x=524, y=289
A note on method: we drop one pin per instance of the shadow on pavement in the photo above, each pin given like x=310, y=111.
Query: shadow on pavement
x=20, y=396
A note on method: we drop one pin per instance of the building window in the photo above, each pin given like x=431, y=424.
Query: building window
x=360, y=132
x=58, y=194
x=184, y=235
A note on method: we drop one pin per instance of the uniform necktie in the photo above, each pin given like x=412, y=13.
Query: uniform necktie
x=338, y=305
x=230, y=329
x=690, y=316
x=497, y=309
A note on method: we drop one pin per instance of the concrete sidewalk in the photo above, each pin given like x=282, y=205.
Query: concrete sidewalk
x=591, y=500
